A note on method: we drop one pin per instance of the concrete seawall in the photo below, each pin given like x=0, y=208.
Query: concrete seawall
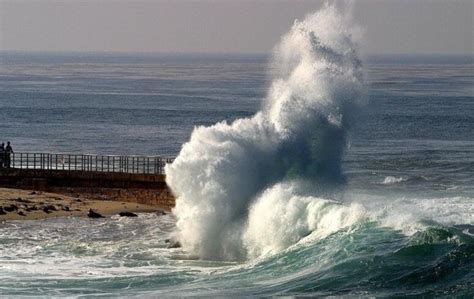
x=131, y=187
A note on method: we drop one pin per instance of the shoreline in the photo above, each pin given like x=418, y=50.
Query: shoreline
x=19, y=204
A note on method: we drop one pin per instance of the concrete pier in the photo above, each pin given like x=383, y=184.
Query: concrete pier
x=146, y=188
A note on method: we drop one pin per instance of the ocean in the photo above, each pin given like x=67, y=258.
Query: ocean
x=400, y=224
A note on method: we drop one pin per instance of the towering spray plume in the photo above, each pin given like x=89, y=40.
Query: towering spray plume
x=243, y=188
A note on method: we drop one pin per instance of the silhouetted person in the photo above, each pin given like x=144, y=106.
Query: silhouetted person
x=8, y=153
x=2, y=155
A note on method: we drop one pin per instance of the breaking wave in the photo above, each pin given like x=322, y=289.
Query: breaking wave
x=237, y=182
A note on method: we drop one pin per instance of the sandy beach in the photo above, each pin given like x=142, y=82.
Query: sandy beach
x=33, y=205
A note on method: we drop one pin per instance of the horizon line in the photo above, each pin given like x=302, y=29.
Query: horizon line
x=150, y=53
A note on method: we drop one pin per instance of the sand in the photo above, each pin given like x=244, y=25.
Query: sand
x=30, y=205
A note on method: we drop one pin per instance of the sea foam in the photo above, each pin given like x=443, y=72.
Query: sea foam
x=256, y=185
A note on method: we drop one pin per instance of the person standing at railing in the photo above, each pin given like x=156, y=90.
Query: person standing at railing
x=2, y=155
x=8, y=153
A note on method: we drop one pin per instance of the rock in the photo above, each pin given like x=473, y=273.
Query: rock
x=49, y=208
x=66, y=208
x=32, y=208
x=128, y=214
x=19, y=199
x=21, y=213
x=11, y=208
x=33, y=193
x=2, y=212
x=160, y=213
x=174, y=244
x=93, y=214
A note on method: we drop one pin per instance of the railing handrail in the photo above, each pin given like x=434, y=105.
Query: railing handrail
x=100, y=155
x=87, y=162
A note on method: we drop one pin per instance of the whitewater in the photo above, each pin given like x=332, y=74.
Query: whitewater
x=282, y=200
x=228, y=175
x=272, y=182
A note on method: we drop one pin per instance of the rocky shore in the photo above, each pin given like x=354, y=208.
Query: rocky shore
x=18, y=204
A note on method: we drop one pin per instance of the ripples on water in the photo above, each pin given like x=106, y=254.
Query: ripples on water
x=129, y=257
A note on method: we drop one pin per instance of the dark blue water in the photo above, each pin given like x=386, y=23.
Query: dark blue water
x=412, y=147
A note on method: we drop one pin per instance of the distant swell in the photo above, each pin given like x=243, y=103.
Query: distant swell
x=255, y=186
x=390, y=180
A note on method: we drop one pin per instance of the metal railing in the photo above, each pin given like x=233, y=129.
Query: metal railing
x=75, y=162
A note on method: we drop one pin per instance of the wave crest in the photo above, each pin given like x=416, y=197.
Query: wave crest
x=299, y=135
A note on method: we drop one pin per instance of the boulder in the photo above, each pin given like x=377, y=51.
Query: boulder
x=2, y=212
x=174, y=244
x=160, y=213
x=21, y=213
x=49, y=208
x=32, y=208
x=11, y=208
x=128, y=214
x=93, y=214
x=19, y=199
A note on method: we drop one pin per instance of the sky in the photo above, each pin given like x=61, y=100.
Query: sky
x=225, y=26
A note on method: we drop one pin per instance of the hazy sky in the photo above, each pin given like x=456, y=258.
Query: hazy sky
x=397, y=26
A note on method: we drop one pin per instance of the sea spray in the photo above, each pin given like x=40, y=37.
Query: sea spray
x=229, y=178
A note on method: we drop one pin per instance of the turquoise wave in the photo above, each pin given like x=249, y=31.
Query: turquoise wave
x=119, y=258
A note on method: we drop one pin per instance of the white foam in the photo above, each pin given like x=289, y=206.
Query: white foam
x=299, y=133
x=282, y=216
x=390, y=180
x=414, y=214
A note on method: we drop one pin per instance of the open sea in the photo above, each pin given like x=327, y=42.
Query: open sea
x=409, y=156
